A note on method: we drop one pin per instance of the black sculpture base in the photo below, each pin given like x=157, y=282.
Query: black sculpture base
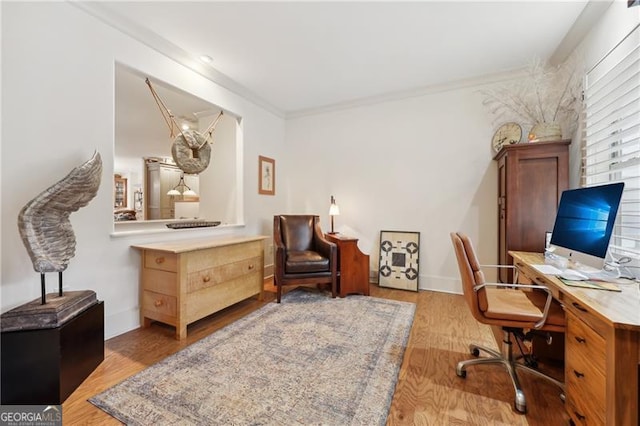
x=58, y=309
x=45, y=365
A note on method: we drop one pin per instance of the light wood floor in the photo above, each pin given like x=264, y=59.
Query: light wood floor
x=428, y=391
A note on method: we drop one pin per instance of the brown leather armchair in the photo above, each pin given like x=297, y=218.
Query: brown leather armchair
x=301, y=253
x=514, y=307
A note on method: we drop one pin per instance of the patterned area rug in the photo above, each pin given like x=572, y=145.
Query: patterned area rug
x=309, y=360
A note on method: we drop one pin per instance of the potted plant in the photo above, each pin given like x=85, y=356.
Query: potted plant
x=547, y=98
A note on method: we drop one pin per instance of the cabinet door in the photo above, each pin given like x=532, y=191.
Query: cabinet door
x=536, y=203
x=153, y=193
x=169, y=178
x=531, y=178
x=119, y=192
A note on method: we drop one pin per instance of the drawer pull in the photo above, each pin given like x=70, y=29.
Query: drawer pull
x=206, y=278
x=579, y=416
x=251, y=267
x=159, y=260
x=579, y=307
x=578, y=374
x=158, y=303
x=580, y=339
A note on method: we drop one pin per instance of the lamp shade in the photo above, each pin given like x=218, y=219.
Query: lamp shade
x=334, y=210
x=185, y=189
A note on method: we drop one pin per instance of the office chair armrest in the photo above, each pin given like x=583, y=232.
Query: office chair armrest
x=547, y=304
x=498, y=266
x=516, y=272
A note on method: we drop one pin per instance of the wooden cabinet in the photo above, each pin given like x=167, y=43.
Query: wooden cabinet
x=184, y=281
x=119, y=192
x=352, y=264
x=531, y=178
x=161, y=178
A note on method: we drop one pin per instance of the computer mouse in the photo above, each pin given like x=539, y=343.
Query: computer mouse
x=573, y=275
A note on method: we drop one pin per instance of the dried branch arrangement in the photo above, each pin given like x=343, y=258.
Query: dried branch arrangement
x=547, y=94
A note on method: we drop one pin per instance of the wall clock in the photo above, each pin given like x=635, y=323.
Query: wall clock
x=508, y=133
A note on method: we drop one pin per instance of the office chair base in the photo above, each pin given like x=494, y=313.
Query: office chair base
x=507, y=360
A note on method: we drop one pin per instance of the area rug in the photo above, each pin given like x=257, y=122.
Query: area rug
x=309, y=360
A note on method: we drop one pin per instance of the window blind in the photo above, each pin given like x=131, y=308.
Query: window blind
x=611, y=145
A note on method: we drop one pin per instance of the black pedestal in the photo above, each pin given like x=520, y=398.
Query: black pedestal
x=44, y=366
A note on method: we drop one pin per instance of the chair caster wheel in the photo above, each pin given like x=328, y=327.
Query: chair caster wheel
x=460, y=372
x=520, y=403
x=475, y=352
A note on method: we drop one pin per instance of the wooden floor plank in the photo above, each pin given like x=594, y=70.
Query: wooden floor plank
x=428, y=391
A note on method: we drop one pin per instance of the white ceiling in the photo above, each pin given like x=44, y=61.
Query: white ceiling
x=299, y=56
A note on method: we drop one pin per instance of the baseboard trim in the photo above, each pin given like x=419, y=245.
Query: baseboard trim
x=120, y=322
x=268, y=271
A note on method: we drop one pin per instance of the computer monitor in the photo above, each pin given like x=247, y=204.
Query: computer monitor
x=584, y=224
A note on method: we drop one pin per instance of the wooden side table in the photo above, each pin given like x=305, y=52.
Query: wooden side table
x=352, y=264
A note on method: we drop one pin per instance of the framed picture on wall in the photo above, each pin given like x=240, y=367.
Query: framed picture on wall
x=399, y=260
x=266, y=175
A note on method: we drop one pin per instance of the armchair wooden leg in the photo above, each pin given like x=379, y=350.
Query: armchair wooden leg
x=278, y=292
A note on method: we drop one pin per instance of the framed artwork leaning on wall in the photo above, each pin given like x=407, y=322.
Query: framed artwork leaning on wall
x=399, y=260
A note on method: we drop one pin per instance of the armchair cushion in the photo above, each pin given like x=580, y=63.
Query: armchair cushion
x=305, y=261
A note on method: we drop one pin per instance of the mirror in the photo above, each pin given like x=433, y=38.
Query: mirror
x=144, y=170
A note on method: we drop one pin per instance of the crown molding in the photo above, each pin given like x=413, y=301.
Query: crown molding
x=587, y=19
x=176, y=53
x=411, y=93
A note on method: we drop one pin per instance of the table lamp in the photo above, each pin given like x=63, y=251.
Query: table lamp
x=334, y=210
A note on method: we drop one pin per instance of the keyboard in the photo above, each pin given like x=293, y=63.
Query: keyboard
x=183, y=224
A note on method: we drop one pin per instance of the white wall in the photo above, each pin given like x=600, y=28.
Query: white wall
x=418, y=164
x=57, y=108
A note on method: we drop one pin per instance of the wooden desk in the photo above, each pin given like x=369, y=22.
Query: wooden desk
x=184, y=281
x=602, y=347
x=353, y=265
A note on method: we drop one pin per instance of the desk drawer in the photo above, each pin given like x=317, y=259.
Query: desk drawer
x=586, y=314
x=585, y=345
x=585, y=373
x=160, y=260
x=583, y=413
